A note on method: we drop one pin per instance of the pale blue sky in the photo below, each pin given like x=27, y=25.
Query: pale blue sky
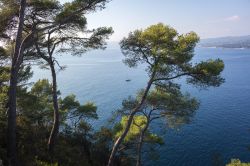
x=209, y=18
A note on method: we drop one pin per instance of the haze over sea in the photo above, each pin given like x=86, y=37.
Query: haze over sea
x=219, y=131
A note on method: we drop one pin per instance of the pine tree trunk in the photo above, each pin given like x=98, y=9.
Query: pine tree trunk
x=141, y=140
x=12, y=156
x=139, y=148
x=121, y=138
x=130, y=120
x=16, y=62
x=55, y=128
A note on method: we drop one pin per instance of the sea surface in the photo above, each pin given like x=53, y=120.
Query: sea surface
x=220, y=129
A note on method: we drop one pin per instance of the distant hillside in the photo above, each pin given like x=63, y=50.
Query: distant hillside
x=227, y=42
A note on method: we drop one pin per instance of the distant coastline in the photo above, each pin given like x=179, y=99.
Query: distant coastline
x=214, y=47
x=232, y=42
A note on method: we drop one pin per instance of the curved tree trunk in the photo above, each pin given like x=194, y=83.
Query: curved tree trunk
x=130, y=120
x=55, y=128
x=16, y=62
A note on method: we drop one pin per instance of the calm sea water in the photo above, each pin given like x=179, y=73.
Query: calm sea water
x=220, y=129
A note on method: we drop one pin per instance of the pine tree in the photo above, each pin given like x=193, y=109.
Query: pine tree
x=167, y=56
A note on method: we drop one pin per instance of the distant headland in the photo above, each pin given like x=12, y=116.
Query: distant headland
x=240, y=42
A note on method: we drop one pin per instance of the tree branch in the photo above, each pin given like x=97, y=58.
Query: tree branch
x=170, y=78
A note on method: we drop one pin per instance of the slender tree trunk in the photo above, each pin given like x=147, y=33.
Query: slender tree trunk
x=55, y=128
x=56, y=121
x=18, y=53
x=141, y=140
x=139, y=148
x=12, y=156
x=130, y=120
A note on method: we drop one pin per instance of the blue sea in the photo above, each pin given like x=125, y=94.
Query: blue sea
x=220, y=129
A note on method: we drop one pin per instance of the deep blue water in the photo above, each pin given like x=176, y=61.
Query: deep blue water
x=219, y=131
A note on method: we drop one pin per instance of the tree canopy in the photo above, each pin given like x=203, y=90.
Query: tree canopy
x=168, y=55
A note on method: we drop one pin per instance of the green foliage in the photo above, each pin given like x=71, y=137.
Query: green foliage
x=169, y=103
x=69, y=9
x=208, y=73
x=158, y=42
x=4, y=77
x=8, y=11
x=69, y=102
x=153, y=139
x=139, y=122
x=89, y=110
x=42, y=88
x=41, y=163
x=156, y=35
x=78, y=145
x=43, y=5
x=168, y=55
x=135, y=128
x=237, y=162
x=65, y=20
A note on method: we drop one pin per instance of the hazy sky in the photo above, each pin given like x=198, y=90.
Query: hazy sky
x=209, y=18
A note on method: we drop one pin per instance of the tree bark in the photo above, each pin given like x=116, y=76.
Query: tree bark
x=130, y=120
x=141, y=140
x=11, y=151
x=15, y=66
x=139, y=148
x=55, y=128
